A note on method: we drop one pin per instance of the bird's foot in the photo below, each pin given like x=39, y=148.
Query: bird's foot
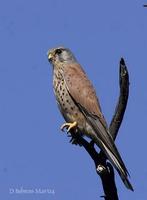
x=69, y=126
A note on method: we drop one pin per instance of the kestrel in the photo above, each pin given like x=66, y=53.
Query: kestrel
x=80, y=106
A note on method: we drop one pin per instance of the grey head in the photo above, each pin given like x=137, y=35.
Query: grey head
x=61, y=54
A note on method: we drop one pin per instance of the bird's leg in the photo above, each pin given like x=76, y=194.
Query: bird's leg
x=69, y=126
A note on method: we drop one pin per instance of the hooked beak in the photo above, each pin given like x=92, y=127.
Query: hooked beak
x=50, y=56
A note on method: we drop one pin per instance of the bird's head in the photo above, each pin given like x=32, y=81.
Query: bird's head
x=60, y=54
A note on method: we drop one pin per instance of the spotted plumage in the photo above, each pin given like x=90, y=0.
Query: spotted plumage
x=80, y=106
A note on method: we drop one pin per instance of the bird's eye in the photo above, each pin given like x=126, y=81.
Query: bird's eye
x=58, y=51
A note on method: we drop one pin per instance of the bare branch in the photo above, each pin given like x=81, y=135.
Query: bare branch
x=123, y=99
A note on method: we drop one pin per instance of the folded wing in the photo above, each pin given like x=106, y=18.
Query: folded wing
x=83, y=94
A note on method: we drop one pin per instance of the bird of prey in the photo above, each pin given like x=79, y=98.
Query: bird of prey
x=80, y=107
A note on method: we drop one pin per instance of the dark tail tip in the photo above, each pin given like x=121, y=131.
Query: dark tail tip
x=128, y=184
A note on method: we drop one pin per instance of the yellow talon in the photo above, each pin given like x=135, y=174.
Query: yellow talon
x=69, y=126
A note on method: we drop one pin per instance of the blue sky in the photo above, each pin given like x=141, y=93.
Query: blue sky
x=33, y=151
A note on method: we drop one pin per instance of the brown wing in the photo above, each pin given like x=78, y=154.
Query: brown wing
x=82, y=90
x=83, y=93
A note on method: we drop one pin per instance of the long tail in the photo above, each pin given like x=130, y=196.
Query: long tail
x=119, y=166
x=104, y=140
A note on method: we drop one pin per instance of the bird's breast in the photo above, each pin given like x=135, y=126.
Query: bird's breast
x=66, y=105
